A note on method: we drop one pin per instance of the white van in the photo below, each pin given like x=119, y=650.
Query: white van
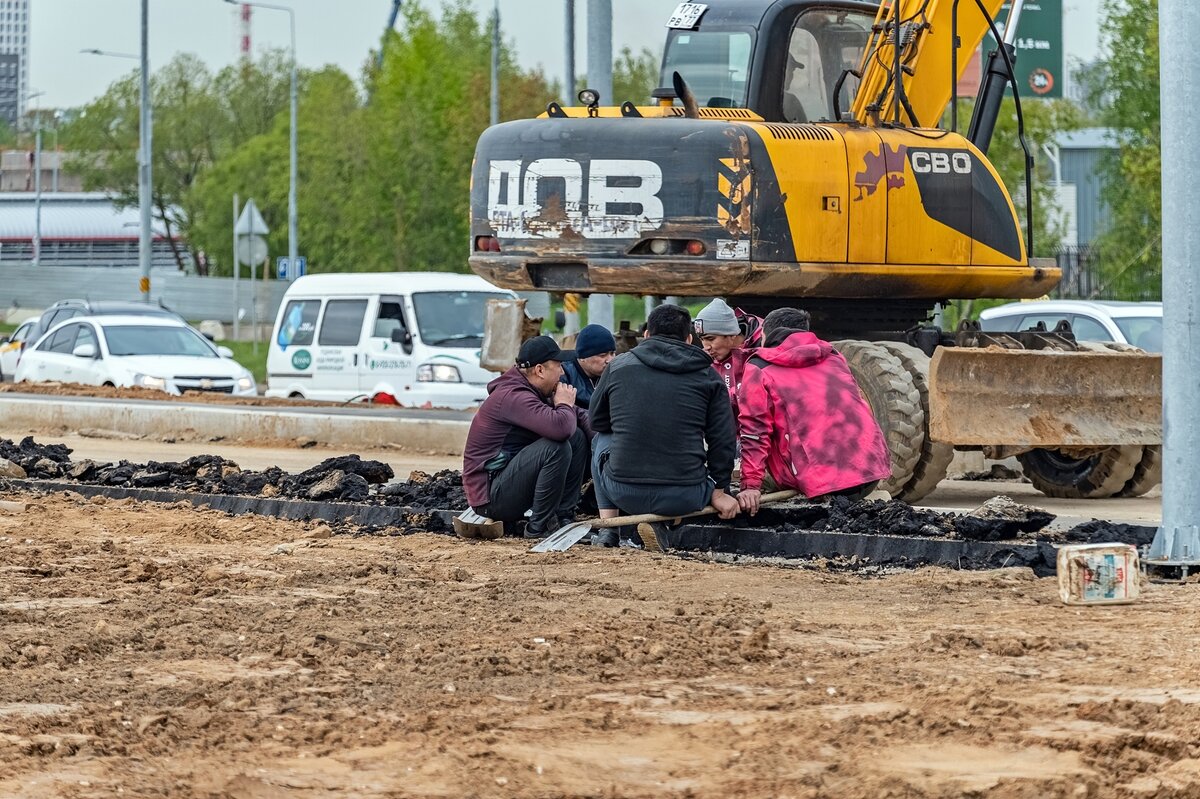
x=411, y=338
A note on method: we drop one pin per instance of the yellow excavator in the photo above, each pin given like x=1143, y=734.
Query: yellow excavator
x=797, y=157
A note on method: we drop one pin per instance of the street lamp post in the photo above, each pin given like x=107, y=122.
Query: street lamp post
x=293, y=236
x=145, y=129
x=37, y=181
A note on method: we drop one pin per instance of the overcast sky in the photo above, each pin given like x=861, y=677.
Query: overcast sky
x=331, y=31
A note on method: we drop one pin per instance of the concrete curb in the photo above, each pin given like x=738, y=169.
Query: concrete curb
x=436, y=432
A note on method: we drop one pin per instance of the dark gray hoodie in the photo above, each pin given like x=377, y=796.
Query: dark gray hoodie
x=663, y=403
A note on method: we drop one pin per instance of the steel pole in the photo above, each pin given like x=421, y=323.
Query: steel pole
x=568, y=95
x=237, y=300
x=293, y=235
x=599, y=56
x=37, y=195
x=145, y=152
x=1178, y=540
x=495, y=109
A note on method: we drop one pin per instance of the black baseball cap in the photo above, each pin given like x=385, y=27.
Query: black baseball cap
x=541, y=349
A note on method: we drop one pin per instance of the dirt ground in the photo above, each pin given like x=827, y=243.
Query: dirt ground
x=160, y=651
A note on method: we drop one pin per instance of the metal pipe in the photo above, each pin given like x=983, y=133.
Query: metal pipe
x=145, y=156
x=568, y=94
x=1178, y=540
x=37, y=198
x=495, y=109
x=237, y=302
x=599, y=56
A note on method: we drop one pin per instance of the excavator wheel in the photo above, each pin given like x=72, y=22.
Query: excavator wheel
x=896, y=403
x=935, y=456
x=1104, y=474
x=1147, y=475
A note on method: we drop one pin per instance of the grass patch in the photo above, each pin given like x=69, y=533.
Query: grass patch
x=243, y=353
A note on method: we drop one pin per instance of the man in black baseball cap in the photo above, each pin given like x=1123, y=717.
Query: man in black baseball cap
x=528, y=444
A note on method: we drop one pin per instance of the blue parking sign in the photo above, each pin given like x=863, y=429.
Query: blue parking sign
x=301, y=265
x=281, y=268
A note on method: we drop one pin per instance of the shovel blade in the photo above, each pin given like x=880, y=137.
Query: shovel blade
x=563, y=538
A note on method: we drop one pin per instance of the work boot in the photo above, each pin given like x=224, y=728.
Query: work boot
x=606, y=538
x=531, y=532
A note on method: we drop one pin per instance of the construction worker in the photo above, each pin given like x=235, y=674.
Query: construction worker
x=665, y=432
x=804, y=424
x=528, y=444
x=595, y=347
x=728, y=337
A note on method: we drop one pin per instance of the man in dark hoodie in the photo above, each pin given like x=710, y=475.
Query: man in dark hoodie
x=528, y=443
x=654, y=411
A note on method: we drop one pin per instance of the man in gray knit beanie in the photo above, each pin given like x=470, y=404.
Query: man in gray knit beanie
x=728, y=336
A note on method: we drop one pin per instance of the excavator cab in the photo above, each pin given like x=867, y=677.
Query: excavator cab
x=783, y=61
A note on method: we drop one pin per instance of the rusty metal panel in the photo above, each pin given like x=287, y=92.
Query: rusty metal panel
x=1044, y=398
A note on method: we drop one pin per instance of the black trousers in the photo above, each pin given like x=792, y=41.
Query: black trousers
x=545, y=477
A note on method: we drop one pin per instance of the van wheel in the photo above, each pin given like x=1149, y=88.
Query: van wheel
x=110, y=385
x=295, y=395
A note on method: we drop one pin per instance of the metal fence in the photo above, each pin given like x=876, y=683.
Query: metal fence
x=194, y=298
x=1085, y=277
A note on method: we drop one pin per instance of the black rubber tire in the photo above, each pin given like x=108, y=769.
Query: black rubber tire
x=1147, y=475
x=1098, y=476
x=935, y=456
x=896, y=403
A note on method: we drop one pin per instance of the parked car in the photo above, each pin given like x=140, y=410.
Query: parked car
x=12, y=346
x=146, y=351
x=1136, y=323
x=409, y=338
x=68, y=309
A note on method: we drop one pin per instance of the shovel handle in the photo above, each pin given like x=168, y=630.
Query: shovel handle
x=618, y=521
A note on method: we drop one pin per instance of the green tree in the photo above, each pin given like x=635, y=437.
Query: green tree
x=429, y=105
x=1127, y=95
x=198, y=119
x=635, y=76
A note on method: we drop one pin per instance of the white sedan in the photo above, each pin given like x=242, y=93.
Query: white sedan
x=144, y=351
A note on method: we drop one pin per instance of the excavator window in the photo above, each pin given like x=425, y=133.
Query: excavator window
x=822, y=45
x=715, y=64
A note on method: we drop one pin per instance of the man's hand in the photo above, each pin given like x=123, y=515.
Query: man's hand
x=748, y=500
x=564, y=394
x=727, y=507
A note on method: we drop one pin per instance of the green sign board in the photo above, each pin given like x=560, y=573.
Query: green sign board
x=1039, y=46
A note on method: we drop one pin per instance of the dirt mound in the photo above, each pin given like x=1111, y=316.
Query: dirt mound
x=1101, y=532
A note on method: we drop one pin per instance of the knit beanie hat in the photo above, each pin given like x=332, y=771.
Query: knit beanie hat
x=594, y=340
x=717, y=319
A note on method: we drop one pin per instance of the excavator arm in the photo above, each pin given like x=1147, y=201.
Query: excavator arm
x=929, y=67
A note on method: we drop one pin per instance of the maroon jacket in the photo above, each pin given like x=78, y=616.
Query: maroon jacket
x=514, y=415
x=805, y=421
x=732, y=367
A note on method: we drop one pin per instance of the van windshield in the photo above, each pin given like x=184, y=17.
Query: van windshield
x=452, y=318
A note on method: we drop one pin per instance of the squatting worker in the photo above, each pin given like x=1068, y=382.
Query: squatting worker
x=595, y=347
x=528, y=444
x=665, y=433
x=804, y=424
x=728, y=337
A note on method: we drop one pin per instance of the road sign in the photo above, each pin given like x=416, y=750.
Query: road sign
x=284, y=271
x=1039, y=46
x=251, y=223
x=251, y=249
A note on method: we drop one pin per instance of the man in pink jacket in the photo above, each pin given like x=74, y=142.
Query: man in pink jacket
x=803, y=423
x=729, y=337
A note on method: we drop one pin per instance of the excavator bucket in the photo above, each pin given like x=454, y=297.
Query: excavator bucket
x=1045, y=398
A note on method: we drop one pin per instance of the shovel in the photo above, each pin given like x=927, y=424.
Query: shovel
x=569, y=535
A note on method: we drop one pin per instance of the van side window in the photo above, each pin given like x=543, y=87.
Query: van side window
x=390, y=317
x=342, y=323
x=299, y=323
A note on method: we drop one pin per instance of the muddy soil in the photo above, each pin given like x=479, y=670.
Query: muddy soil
x=160, y=651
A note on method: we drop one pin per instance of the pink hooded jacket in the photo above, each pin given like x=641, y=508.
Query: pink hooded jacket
x=803, y=420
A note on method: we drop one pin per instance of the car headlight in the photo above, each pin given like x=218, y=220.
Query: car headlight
x=245, y=383
x=438, y=373
x=147, y=381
